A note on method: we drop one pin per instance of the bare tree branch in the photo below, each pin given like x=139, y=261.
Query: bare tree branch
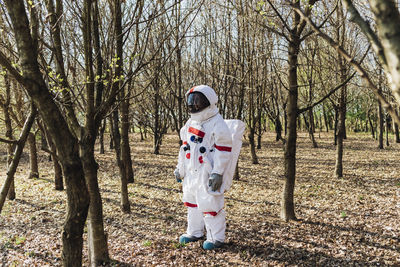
x=364, y=75
x=5, y=62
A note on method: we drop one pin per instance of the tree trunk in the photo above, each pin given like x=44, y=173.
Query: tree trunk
x=340, y=135
x=396, y=133
x=278, y=128
x=96, y=235
x=58, y=176
x=381, y=125
x=101, y=136
x=341, y=108
x=125, y=206
x=335, y=128
x=372, y=127
x=12, y=168
x=251, y=136
x=259, y=123
x=111, y=144
x=387, y=128
x=66, y=143
x=98, y=249
x=5, y=104
x=33, y=160
x=236, y=176
x=125, y=148
x=157, y=126
x=77, y=210
x=287, y=202
x=287, y=205
x=311, y=128
x=325, y=118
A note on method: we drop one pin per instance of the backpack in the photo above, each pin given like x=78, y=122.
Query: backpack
x=237, y=128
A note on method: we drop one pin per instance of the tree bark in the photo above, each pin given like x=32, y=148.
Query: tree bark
x=98, y=249
x=96, y=235
x=58, y=176
x=278, y=128
x=381, y=125
x=253, y=153
x=101, y=136
x=341, y=108
x=287, y=205
x=396, y=133
x=33, y=159
x=287, y=202
x=66, y=143
x=311, y=129
x=125, y=206
x=125, y=147
x=325, y=118
x=387, y=128
x=12, y=168
x=340, y=136
x=119, y=147
x=372, y=127
x=5, y=104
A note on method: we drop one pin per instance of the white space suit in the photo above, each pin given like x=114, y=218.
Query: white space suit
x=206, y=149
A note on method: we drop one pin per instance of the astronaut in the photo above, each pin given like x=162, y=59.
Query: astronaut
x=203, y=158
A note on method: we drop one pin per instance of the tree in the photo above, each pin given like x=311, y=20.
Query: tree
x=294, y=37
x=67, y=145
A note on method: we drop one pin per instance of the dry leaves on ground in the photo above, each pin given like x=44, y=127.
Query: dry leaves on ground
x=352, y=221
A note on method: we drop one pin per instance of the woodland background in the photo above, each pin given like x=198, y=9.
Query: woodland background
x=98, y=87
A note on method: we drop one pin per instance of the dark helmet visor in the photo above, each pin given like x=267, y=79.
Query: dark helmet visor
x=197, y=102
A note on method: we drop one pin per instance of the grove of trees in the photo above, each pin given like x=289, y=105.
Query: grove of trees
x=74, y=71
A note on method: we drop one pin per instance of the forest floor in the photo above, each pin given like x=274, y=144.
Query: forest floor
x=353, y=221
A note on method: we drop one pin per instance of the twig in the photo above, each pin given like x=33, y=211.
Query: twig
x=364, y=75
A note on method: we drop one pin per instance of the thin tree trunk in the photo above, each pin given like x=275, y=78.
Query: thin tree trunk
x=340, y=136
x=311, y=128
x=98, y=249
x=101, y=136
x=157, y=130
x=387, y=128
x=236, y=176
x=278, y=128
x=125, y=206
x=341, y=130
x=5, y=104
x=287, y=204
x=381, y=125
x=12, y=168
x=325, y=118
x=125, y=147
x=96, y=236
x=111, y=144
x=251, y=136
x=33, y=159
x=396, y=133
x=372, y=127
x=58, y=176
x=336, y=122
x=259, y=123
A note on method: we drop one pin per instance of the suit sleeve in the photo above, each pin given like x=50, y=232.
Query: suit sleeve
x=223, y=147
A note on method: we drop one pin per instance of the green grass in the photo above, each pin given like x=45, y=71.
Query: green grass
x=147, y=243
